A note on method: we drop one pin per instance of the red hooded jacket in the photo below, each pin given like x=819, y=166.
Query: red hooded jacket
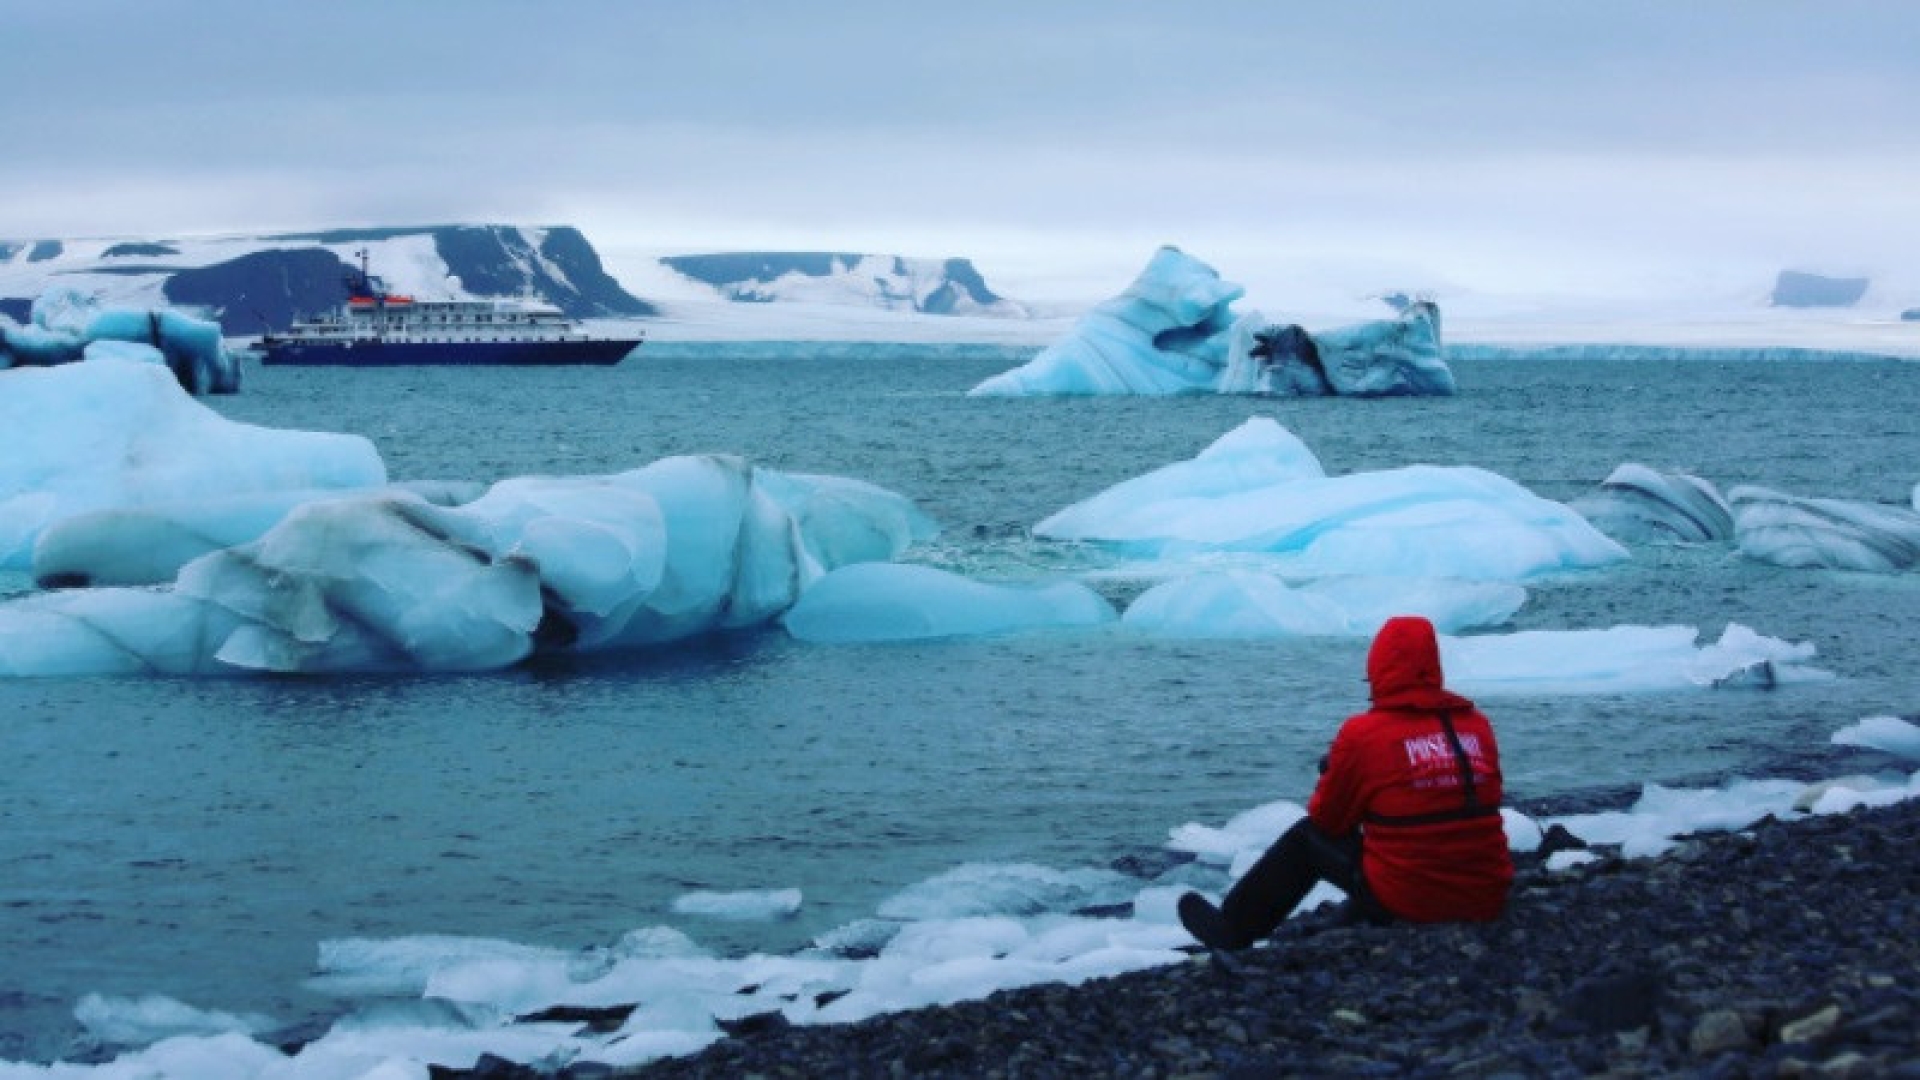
x=1434, y=849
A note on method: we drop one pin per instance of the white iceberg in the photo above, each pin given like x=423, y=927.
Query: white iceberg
x=1253, y=491
x=116, y=435
x=877, y=601
x=1835, y=534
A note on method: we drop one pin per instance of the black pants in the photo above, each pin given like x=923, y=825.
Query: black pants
x=1303, y=857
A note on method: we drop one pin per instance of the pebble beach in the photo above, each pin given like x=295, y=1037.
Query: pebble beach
x=1788, y=949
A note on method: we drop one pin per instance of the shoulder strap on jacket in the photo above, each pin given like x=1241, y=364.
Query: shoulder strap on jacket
x=1460, y=758
x=1473, y=808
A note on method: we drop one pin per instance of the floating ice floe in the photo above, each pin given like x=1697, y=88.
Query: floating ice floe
x=68, y=326
x=1889, y=733
x=1835, y=534
x=1622, y=659
x=1258, y=489
x=387, y=581
x=747, y=905
x=872, y=602
x=114, y=435
x=1637, y=504
x=1173, y=331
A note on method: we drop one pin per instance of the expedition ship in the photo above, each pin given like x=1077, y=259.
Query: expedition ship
x=377, y=328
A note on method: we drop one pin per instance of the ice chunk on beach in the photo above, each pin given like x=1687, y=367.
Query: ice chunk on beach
x=1655, y=822
x=978, y=890
x=1249, y=831
x=114, y=435
x=1249, y=604
x=141, y=1021
x=1621, y=659
x=872, y=602
x=388, y=581
x=229, y=1056
x=1418, y=521
x=1166, y=334
x=1834, y=534
x=1637, y=504
x=68, y=325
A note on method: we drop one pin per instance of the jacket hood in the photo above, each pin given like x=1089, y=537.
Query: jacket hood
x=1404, y=667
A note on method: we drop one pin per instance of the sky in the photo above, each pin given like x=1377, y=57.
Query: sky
x=1497, y=147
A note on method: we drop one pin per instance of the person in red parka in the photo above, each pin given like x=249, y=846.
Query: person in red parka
x=1405, y=819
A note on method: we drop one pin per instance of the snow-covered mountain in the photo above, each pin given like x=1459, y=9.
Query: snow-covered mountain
x=886, y=282
x=255, y=283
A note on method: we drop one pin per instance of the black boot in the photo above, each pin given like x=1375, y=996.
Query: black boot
x=1207, y=925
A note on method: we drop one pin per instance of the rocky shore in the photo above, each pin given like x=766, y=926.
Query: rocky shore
x=1790, y=949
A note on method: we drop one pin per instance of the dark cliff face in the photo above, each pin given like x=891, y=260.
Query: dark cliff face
x=262, y=291
x=492, y=260
x=137, y=250
x=962, y=280
x=267, y=290
x=1798, y=289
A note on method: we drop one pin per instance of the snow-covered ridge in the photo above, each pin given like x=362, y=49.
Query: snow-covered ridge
x=889, y=282
x=253, y=283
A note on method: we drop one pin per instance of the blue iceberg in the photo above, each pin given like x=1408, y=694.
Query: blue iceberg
x=68, y=326
x=1166, y=334
x=1173, y=331
x=209, y=546
x=387, y=581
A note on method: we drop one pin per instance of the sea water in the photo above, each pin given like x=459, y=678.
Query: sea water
x=199, y=838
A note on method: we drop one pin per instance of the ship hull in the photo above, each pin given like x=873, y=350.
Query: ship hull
x=446, y=354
